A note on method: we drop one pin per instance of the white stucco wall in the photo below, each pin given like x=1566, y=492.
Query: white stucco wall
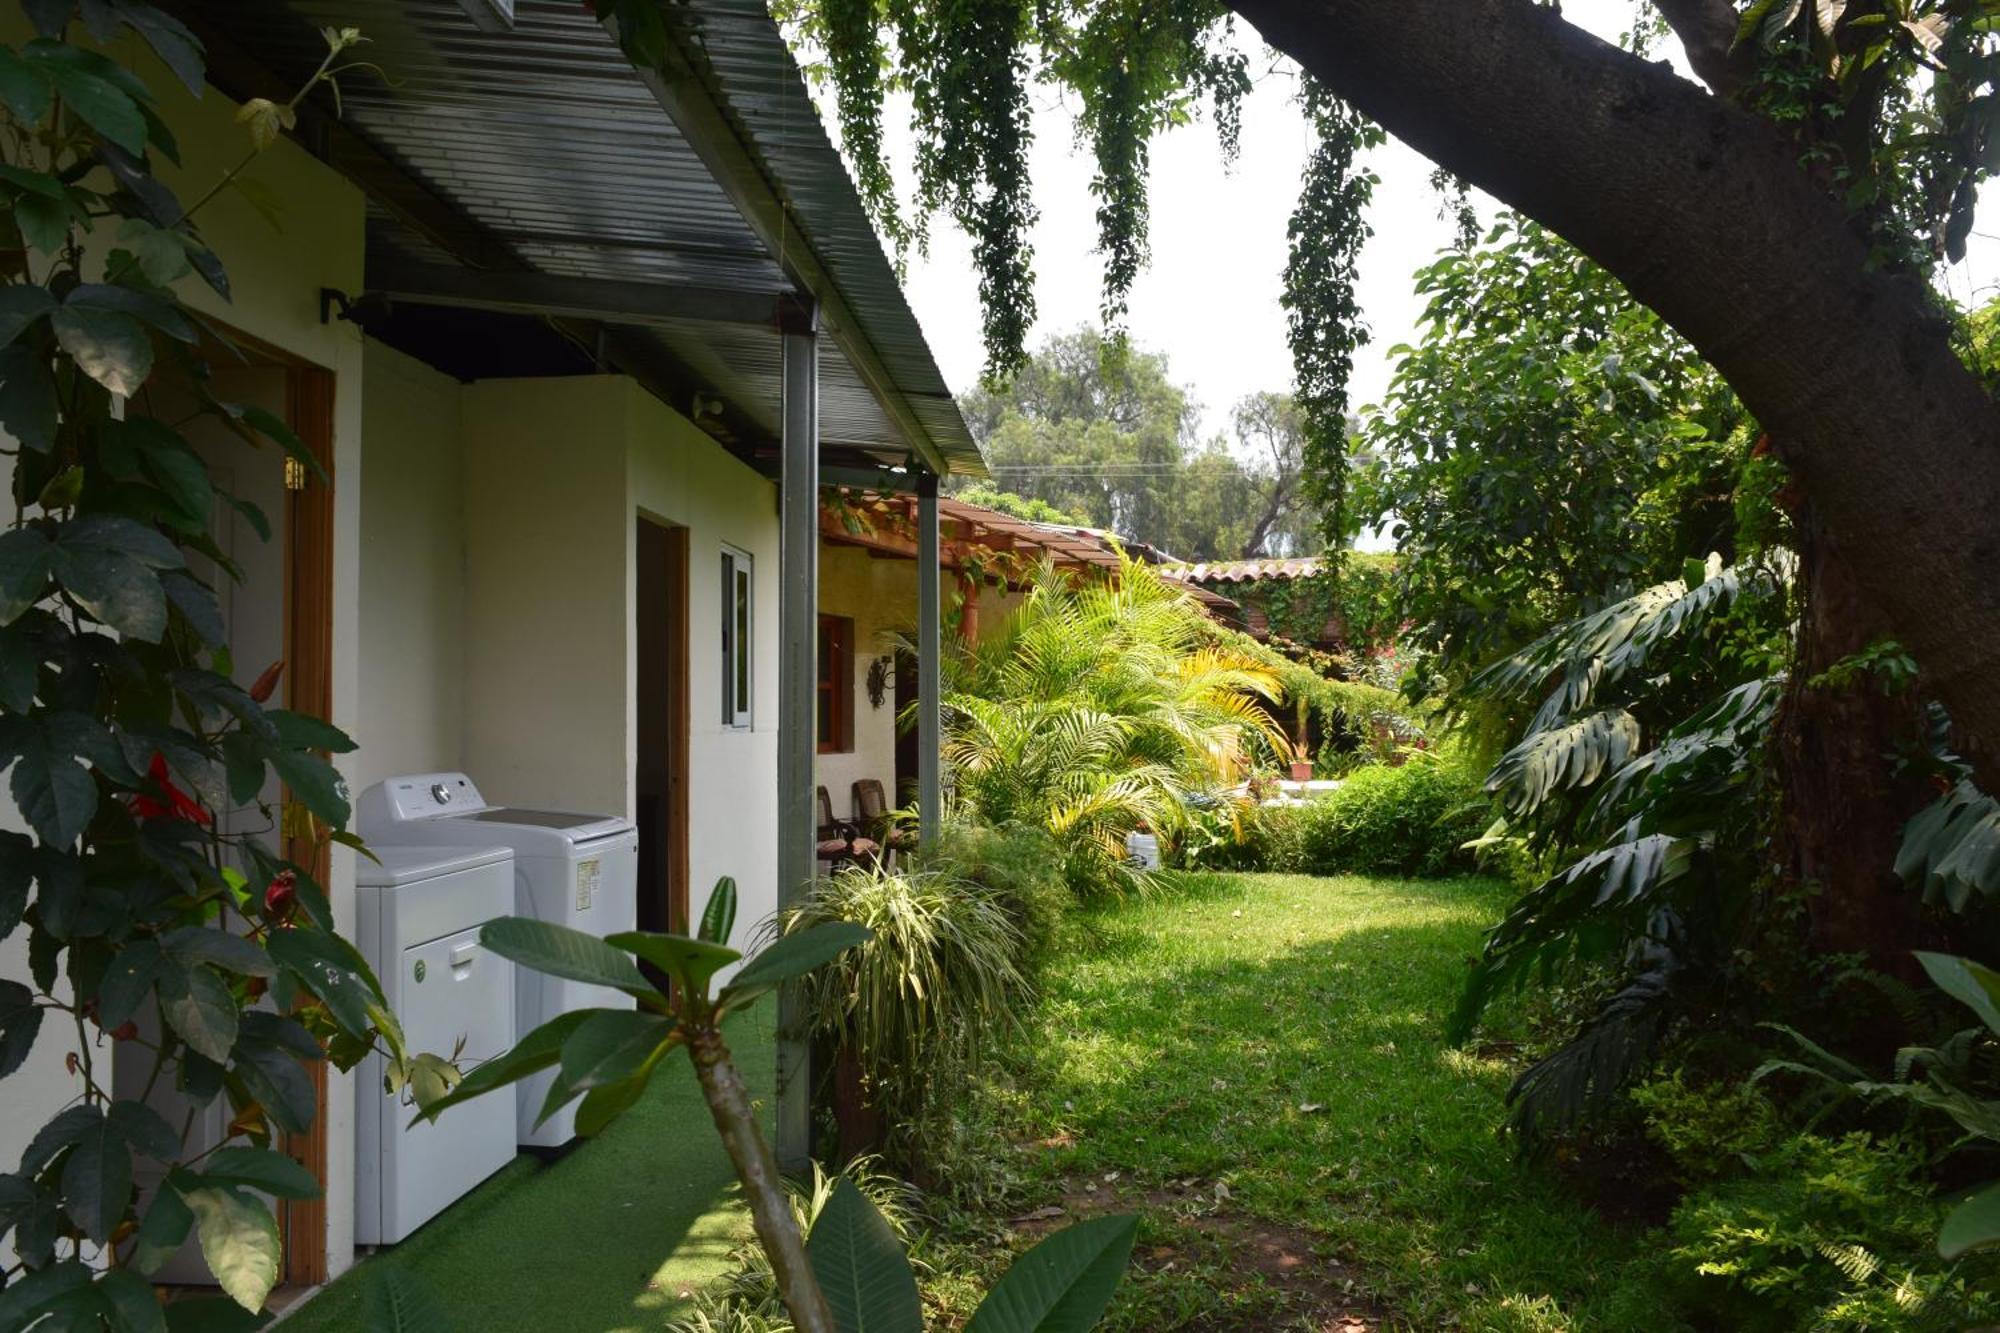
x=680, y=476
x=276, y=273
x=557, y=474
x=412, y=626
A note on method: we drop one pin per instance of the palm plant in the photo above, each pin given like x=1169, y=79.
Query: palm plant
x=1101, y=708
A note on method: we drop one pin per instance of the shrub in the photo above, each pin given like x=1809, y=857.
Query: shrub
x=1242, y=837
x=1412, y=819
x=1021, y=866
x=914, y=1005
x=1830, y=1233
x=1711, y=1130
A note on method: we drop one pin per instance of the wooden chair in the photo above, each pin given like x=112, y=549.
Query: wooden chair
x=840, y=842
x=871, y=809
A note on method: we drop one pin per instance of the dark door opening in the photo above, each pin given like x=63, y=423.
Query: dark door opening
x=660, y=635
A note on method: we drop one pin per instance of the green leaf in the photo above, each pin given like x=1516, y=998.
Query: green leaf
x=400, y=1302
x=261, y=1169
x=532, y=1054
x=199, y=1008
x=176, y=46
x=212, y=944
x=302, y=731
x=114, y=586
x=274, y=1077
x=25, y=560
x=601, y=1106
x=1063, y=1284
x=32, y=1294
x=163, y=1230
x=145, y=1129
x=27, y=399
x=861, y=1267
x=79, y=79
x=1974, y=986
x=129, y=1300
x=334, y=971
x=690, y=962
x=719, y=917
x=112, y=348
x=21, y=304
x=55, y=793
x=314, y=783
x=97, y=1180
x=128, y=980
x=239, y=1238
x=562, y=952
x=22, y=88
x=44, y=223
x=20, y=1024
x=614, y=1045
x=793, y=956
x=1973, y=1225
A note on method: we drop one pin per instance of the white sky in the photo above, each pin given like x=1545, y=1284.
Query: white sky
x=1209, y=299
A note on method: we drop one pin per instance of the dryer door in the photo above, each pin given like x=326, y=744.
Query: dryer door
x=455, y=989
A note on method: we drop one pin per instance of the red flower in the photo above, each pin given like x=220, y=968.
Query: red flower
x=172, y=803
x=281, y=894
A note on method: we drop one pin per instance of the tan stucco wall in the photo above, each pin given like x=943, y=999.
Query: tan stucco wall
x=276, y=274
x=880, y=596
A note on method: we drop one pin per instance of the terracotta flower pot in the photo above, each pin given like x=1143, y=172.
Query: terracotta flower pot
x=1302, y=770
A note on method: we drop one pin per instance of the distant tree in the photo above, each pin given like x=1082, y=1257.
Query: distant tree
x=1271, y=432
x=1102, y=433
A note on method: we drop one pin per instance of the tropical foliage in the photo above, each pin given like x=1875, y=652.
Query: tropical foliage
x=914, y=1005
x=176, y=964
x=1548, y=443
x=850, y=1272
x=1098, y=709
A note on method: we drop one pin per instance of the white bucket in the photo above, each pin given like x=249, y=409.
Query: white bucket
x=1143, y=848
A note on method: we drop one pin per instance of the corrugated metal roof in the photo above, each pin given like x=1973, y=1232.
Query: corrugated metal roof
x=549, y=141
x=1245, y=571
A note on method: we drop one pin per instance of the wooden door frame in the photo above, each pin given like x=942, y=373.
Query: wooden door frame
x=309, y=690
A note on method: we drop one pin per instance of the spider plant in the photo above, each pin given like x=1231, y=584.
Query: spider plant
x=909, y=1010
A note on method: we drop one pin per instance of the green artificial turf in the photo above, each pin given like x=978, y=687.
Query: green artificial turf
x=605, y=1239
x=1257, y=1066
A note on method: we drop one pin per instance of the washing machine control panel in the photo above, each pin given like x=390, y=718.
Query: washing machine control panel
x=427, y=795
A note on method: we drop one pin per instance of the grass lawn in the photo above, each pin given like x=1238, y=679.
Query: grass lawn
x=1257, y=1065
x=604, y=1240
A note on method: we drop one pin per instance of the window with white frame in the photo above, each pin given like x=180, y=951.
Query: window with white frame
x=737, y=619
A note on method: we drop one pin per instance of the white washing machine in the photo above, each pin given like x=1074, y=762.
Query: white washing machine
x=580, y=871
x=418, y=913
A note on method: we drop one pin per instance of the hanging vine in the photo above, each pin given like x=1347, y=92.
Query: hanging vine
x=1327, y=231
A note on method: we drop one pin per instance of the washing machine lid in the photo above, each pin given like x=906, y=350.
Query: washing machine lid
x=408, y=865
x=575, y=827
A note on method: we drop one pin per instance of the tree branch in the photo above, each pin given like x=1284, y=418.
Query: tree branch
x=1703, y=212
x=1707, y=33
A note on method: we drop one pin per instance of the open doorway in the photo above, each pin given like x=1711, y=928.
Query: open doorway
x=660, y=634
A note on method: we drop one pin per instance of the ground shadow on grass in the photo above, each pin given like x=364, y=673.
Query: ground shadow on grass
x=612, y=1237
x=1269, y=1051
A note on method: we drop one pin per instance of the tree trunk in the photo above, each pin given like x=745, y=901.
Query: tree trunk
x=1701, y=210
x=1843, y=803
